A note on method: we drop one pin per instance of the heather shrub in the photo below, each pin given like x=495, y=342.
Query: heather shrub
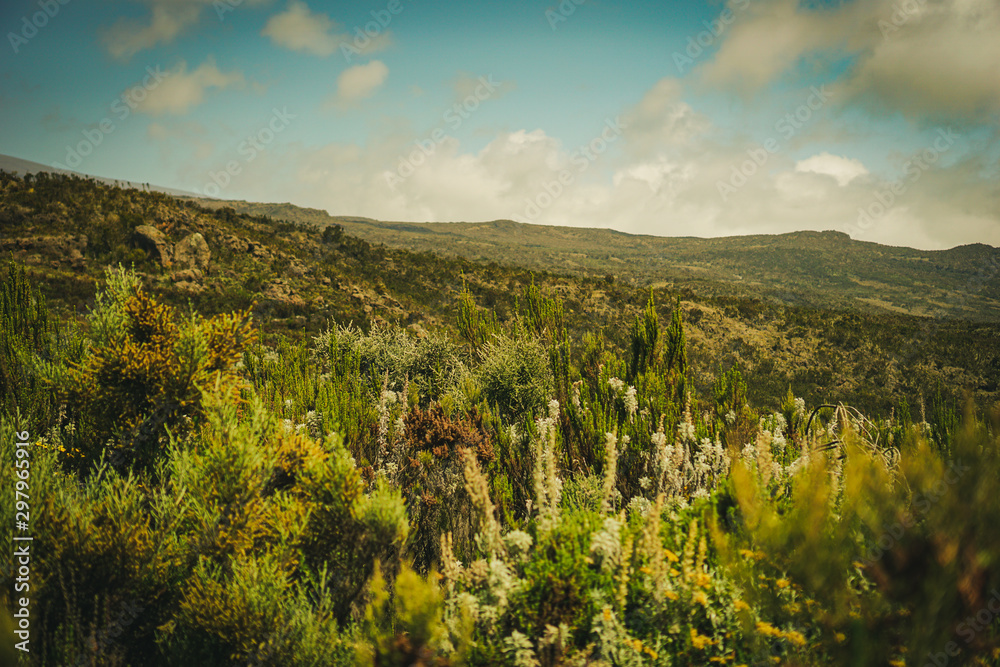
x=388, y=355
x=376, y=498
x=427, y=466
x=144, y=373
x=515, y=375
x=27, y=336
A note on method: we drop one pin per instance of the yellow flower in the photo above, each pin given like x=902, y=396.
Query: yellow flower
x=700, y=641
x=673, y=572
x=746, y=553
x=897, y=663
x=607, y=614
x=702, y=579
x=652, y=654
x=840, y=637
x=670, y=595
x=740, y=605
x=768, y=629
x=700, y=598
x=671, y=556
x=782, y=583
x=796, y=638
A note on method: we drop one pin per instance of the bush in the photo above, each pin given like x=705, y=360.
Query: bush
x=515, y=376
x=145, y=374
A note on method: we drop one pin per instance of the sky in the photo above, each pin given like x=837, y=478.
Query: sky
x=877, y=118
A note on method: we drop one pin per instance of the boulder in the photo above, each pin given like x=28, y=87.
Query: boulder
x=192, y=253
x=193, y=288
x=187, y=275
x=282, y=292
x=154, y=242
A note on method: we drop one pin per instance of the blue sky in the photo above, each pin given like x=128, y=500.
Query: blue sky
x=872, y=117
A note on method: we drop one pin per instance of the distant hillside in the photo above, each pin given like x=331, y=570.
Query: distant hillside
x=818, y=269
x=13, y=164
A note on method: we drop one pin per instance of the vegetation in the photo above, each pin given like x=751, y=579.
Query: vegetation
x=513, y=487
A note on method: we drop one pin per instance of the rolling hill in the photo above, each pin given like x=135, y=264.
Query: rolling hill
x=816, y=269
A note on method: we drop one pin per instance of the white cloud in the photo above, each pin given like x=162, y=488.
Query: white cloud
x=668, y=188
x=938, y=60
x=179, y=91
x=358, y=83
x=299, y=29
x=167, y=19
x=843, y=169
x=662, y=120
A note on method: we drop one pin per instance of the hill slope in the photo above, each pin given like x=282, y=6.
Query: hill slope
x=300, y=278
x=818, y=269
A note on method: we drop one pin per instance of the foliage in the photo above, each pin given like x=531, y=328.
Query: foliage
x=381, y=497
x=144, y=373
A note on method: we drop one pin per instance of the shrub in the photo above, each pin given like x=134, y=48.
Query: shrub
x=144, y=373
x=515, y=376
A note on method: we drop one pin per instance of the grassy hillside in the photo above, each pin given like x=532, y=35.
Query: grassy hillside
x=817, y=269
x=301, y=277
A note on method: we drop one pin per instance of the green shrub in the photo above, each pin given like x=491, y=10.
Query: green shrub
x=515, y=376
x=144, y=373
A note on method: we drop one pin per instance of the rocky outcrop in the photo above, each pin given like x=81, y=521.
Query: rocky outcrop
x=240, y=246
x=192, y=253
x=282, y=292
x=155, y=243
